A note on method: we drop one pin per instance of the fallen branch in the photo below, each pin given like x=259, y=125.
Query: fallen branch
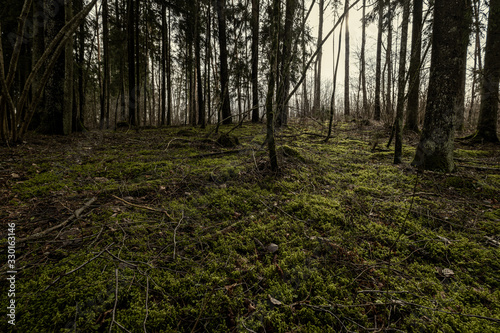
x=175, y=232
x=75, y=215
x=141, y=206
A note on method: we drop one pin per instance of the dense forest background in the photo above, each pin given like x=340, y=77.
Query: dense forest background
x=74, y=65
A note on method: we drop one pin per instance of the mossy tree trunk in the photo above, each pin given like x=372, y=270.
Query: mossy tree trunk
x=488, y=114
x=449, y=42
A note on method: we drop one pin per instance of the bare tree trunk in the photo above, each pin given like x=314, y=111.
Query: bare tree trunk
x=255, y=61
x=68, y=74
x=224, y=72
x=378, y=108
x=305, y=100
x=52, y=119
x=132, y=100
x=270, y=108
x=449, y=42
x=317, y=78
x=398, y=152
x=363, y=62
x=197, y=36
x=286, y=61
x=346, y=78
x=488, y=114
x=106, y=70
x=414, y=71
x=388, y=59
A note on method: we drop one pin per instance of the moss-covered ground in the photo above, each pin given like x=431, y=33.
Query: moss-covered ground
x=186, y=235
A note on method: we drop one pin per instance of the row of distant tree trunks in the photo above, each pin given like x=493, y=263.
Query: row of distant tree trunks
x=62, y=113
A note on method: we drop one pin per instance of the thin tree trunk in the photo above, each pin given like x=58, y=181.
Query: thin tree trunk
x=414, y=70
x=388, y=59
x=378, y=108
x=224, y=72
x=347, y=106
x=398, y=152
x=132, y=100
x=271, y=85
x=363, y=62
x=317, y=78
x=255, y=61
x=488, y=114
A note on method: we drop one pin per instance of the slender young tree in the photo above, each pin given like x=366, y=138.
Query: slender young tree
x=106, y=75
x=286, y=61
x=255, y=60
x=317, y=77
x=388, y=61
x=378, y=66
x=488, y=114
x=270, y=105
x=363, y=60
x=398, y=152
x=132, y=87
x=53, y=115
x=347, y=106
x=68, y=74
x=449, y=42
x=224, y=71
x=414, y=70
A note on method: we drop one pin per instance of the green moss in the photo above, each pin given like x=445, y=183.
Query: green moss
x=351, y=237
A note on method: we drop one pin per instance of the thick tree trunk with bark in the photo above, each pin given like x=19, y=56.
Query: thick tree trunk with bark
x=286, y=61
x=488, y=114
x=449, y=42
x=52, y=118
x=414, y=70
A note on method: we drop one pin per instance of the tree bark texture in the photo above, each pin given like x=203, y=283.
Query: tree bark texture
x=449, y=42
x=488, y=114
x=414, y=70
x=224, y=71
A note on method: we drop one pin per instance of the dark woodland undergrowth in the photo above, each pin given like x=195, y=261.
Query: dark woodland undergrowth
x=174, y=230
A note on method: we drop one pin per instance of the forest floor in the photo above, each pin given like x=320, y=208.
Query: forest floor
x=169, y=230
